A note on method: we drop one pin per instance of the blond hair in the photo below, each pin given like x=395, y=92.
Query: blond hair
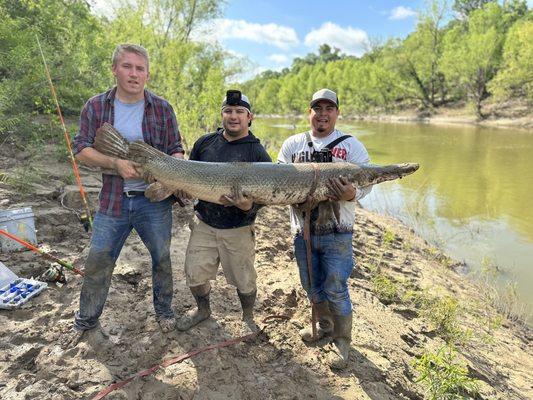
x=130, y=48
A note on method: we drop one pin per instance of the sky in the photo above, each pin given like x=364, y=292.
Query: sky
x=269, y=34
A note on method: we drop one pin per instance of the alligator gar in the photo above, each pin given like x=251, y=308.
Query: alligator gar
x=265, y=183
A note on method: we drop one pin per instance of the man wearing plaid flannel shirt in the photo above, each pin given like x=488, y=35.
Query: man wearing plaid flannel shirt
x=137, y=114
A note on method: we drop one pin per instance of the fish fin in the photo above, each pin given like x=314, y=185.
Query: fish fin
x=157, y=192
x=110, y=142
x=141, y=152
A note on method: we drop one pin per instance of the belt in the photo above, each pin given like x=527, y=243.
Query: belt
x=133, y=193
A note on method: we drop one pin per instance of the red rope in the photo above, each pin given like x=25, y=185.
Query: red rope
x=308, y=244
x=173, y=360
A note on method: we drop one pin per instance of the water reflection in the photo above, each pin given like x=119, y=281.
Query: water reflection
x=471, y=194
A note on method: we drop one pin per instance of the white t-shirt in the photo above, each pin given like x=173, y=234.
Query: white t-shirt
x=296, y=149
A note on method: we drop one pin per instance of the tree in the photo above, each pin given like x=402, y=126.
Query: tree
x=417, y=57
x=516, y=75
x=465, y=7
x=473, y=52
x=73, y=43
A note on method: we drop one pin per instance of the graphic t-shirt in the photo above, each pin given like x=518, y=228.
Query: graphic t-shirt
x=296, y=149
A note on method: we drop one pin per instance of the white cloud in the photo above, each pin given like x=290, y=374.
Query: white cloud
x=402, y=12
x=349, y=40
x=278, y=58
x=276, y=35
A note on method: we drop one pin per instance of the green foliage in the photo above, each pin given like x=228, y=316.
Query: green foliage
x=417, y=58
x=190, y=75
x=473, y=52
x=442, y=60
x=78, y=47
x=73, y=44
x=388, y=237
x=515, y=78
x=23, y=178
x=465, y=7
x=444, y=376
x=443, y=313
x=385, y=288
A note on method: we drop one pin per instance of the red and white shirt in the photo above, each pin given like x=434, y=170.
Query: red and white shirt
x=296, y=149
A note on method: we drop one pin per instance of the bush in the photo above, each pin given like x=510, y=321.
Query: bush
x=444, y=376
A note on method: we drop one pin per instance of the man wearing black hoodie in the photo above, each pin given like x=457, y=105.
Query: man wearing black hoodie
x=224, y=234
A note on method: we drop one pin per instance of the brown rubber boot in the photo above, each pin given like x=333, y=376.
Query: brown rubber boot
x=342, y=335
x=325, y=323
x=247, y=304
x=201, y=312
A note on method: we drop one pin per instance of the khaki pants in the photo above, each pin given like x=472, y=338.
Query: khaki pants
x=234, y=249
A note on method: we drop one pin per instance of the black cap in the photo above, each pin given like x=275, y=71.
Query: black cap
x=236, y=98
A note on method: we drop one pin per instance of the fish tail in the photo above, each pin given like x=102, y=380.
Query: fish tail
x=110, y=142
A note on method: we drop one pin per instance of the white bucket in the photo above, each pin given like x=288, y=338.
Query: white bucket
x=20, y=223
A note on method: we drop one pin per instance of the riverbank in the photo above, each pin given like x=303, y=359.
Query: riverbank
x=515, y=114
x=454, y=116
x=409, y=303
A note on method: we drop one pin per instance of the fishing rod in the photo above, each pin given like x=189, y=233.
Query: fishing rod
x=42, y=252
x=67, y=140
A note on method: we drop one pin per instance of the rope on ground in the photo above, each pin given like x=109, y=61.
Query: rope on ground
x=173, y=360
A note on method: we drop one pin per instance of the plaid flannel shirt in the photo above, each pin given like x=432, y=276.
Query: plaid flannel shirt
x=160, y=130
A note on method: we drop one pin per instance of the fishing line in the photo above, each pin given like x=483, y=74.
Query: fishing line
x=67, y=140
x=42, y=252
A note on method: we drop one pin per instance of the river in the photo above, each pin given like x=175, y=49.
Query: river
x=471, y=196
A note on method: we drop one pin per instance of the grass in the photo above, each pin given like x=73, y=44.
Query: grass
x=443, y=314
x=388, y=238
x=386, y=288
x=22, y=179
x=504, y=298
x=444, y=376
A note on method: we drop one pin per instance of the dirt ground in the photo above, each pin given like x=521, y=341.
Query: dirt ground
x=387, y=336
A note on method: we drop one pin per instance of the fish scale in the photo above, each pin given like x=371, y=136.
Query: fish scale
x=265, y=183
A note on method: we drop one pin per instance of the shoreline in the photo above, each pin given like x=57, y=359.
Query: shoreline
x=514, y=114
x=523, y=123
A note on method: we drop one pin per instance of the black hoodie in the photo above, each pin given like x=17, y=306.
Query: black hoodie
x=214, y=147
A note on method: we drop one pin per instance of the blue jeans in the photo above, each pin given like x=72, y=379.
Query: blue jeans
x=153, y=223
x=332, y=264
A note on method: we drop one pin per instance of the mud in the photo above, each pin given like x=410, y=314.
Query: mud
x=387, y=335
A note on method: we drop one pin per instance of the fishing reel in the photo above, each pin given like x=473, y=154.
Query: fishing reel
x=54, y=273
x=85, y=221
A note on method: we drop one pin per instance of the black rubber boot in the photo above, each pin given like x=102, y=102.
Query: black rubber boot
x=325, y=323
x=201, y=312
x=247, y=304
x=342, y=334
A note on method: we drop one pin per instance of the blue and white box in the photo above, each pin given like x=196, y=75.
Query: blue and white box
x=15, y=291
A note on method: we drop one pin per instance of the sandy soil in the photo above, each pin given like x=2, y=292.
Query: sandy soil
x=387, y=336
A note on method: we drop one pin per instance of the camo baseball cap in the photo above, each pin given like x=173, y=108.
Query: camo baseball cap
x=324, y=94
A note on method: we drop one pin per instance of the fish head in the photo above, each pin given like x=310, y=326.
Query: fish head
x=378, y=174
